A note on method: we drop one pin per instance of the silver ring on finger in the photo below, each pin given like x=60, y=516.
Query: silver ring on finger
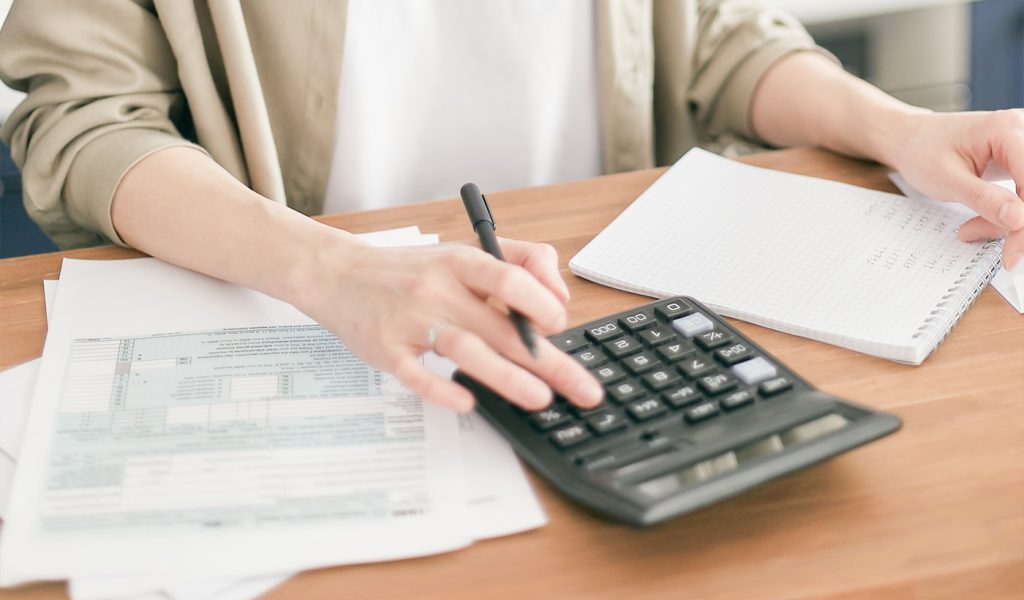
x=435, y=331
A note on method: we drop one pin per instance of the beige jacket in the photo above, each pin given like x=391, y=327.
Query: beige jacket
x=255, y=84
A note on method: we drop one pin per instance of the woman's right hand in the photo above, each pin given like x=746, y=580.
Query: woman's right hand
x=384, y=302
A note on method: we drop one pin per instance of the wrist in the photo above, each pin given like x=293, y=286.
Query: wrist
x=888, y=129
x=326, y=255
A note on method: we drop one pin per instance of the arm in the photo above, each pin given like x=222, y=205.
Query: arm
x=805, y=99
x=180, y=206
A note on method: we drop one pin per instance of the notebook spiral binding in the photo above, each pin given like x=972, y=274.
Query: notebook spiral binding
x=961, y=296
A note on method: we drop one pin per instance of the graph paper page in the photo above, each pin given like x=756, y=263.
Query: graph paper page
x=830, y=261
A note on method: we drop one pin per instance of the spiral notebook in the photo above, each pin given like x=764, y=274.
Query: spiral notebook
x=870, y=271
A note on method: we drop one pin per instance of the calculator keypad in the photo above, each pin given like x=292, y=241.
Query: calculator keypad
x=669, y=364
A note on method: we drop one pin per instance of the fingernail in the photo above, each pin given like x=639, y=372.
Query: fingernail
x=1011, y=215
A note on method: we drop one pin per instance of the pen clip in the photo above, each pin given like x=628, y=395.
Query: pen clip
x=490, y=217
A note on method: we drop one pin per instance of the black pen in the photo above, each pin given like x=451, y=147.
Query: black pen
x=483, y=224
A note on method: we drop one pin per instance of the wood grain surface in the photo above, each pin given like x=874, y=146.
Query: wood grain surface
x=934, y=511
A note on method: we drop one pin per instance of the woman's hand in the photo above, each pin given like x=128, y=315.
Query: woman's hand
x=944, y=154
x=384, y=303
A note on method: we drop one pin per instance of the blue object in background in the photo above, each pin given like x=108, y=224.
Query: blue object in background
x=19, y=235
x=997, y=54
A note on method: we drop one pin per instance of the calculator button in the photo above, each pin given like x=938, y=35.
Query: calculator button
x=570, y=436
x=624, y=346
x=605, y=330
x=699, y=412
x=681, y=396
x=656, y=336
x=673, y=309
x=755, y=370
x=641, y=363
x=775, y=386
x=626, y=391
x=637, y=320
x=661, y=378
x=590, y=357
x=549, y=418
x=696, y=366
x=569, y=342
x=736, y=353
x=709, y=340
x=677, y=350
x=606, y=422
x=716, y=383
x=645, y=409
x=608, y=374
x=737, y=399
x=693, y=325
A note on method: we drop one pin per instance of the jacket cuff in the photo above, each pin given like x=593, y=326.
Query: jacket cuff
x=736, y=101
x=99, y=167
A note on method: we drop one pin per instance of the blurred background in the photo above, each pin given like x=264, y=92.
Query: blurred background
x=945, y=55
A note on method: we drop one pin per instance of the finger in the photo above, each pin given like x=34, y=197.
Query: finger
x=553, y=366
x=539, y=259
x=1008, y=144
x=479, y=361
x=514, y=286
x=432, y=388
x=978, y=230
x=996, y=204
x=1013, y=249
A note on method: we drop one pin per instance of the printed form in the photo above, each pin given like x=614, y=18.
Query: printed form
x=193, y=420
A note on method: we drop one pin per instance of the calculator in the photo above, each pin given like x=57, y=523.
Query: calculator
x=694, y=412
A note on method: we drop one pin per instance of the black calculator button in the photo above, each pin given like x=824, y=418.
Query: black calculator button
x=624, y=346
x=637, y=320
x=673, y=309
x=774, y=386
x=677, y=350
x=608, y=374
x=572, y=435
x=590, y=357
x=661, y=378
x=569, y=342
x=700, y=412
x=736, y=353
x=549, y=418
x=626, y=391
x=716, y=338
x=717, y=383
x=656, y=336
x=641, y=363
x=696, y=366
x=606, y=422
x=737, y=399
x=645, y=409
x=681, y=396
x=604, y=330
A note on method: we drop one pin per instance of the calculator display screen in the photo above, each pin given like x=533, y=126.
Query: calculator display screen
x=664, y=485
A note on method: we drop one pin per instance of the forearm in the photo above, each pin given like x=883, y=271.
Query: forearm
x=180, y=206
x=806, y=99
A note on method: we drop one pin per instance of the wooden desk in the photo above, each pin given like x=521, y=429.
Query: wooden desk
x=935, y=511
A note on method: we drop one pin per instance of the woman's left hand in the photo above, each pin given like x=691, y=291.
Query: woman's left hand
x=944, y=154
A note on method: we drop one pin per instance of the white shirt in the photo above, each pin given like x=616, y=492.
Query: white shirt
x=502, y=93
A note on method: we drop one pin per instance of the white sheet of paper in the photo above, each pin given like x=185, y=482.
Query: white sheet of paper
x=499, y=498
x=1010, y=284
x=49, y=533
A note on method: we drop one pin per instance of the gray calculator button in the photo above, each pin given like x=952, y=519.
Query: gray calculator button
x=692, y=325
x=755, y=370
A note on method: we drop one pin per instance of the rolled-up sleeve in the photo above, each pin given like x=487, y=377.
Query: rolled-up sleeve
x=737, y=42
x=103, y=93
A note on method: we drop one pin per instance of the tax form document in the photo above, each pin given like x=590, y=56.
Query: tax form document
x=184, y=425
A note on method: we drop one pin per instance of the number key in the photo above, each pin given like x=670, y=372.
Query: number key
x=635, y=321
x=604, y=331
x=656, y=336
x=590, y=358
x=624, y=346
x=625, y=391
x=641, y=363
x=608, y=374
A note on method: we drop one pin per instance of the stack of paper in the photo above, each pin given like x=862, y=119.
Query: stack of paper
x=184, y=430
